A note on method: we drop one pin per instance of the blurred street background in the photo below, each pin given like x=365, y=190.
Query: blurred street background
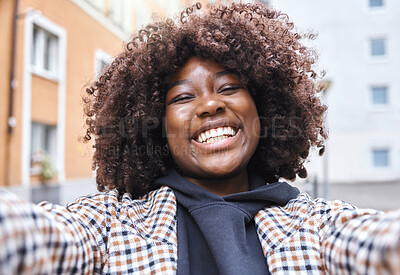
x=51, y=51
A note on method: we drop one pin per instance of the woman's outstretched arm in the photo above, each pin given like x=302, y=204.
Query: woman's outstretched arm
x=360, y=241
x=45, y=239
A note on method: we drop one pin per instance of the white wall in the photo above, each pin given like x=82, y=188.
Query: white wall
x=344, y=29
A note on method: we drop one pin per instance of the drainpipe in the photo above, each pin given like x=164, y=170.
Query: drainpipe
x=11, y=119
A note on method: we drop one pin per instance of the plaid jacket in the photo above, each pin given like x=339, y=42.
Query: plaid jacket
x=100, y=234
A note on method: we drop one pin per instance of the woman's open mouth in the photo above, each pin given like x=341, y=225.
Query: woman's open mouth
x=216, y=134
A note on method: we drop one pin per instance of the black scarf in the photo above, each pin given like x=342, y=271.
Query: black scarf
x=217, y=235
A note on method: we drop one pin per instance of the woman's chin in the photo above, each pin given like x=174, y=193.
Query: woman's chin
x=223, y=170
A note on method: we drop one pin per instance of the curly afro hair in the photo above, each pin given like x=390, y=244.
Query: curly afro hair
x=125, y=106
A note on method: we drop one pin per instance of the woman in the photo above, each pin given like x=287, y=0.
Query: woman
x=194, y=124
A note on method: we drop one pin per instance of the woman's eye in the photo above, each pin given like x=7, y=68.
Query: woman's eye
x=181, y=99
x=230, y=90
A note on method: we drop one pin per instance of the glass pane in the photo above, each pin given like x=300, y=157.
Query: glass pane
x=50, y=52
x=116, y=12
x=43, y=140
x=379, y=95
x=37, y=142
x=375, y=3
x=97, y=4
x=381, y=158
x=103, y=66
x=44, y=50
x=34, y=45
x=47, y=139
x=47, y=53
x=378, y=47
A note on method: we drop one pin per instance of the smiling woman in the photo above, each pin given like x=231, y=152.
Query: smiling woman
x=194, y=124
x=212, y=126
x=253, y=57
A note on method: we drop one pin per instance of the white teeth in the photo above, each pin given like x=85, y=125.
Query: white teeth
x=216, y=134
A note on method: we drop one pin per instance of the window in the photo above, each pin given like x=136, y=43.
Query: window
x=379, y=96
x=100, y=5
x=380, y=158
x=378, y=47
x=116, y=12
x=375, y=3
x=43, y=145
x=44, y=52
x=102, y=60
x=142, y=15
x=101, y=66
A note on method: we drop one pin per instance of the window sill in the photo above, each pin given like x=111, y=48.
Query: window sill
x=379, y=109
x=376, y=10
x=378, y=59
x=380, y=168
x=45, y=74
x=35, y=171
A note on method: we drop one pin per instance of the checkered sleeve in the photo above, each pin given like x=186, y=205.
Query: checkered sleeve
x=359, y=241
x=46, y=239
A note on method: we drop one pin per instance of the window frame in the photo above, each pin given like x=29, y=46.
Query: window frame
x=116, y=13
x=40, y=52
x=37, y=67
x=99, y=5
x=34, y=17
x=100, y=12
x=375, y=10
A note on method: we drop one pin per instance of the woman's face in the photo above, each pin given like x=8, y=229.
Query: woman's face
x=212, y=123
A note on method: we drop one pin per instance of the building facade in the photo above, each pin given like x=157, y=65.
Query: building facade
x=358, y=45
x=50, y=52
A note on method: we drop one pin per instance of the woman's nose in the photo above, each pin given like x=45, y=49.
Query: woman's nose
x=210, y=106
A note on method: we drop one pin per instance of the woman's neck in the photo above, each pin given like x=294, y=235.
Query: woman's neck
x=224, y=186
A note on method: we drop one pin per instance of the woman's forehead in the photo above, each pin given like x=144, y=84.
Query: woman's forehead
x=197, y=66
x=194, y=65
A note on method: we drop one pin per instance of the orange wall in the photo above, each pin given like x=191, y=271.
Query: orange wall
x=84, y=36
x=44, y=100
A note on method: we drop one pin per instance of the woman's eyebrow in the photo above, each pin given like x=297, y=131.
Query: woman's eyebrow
x=222, y=73
x=187, y=81
x=179, y=82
